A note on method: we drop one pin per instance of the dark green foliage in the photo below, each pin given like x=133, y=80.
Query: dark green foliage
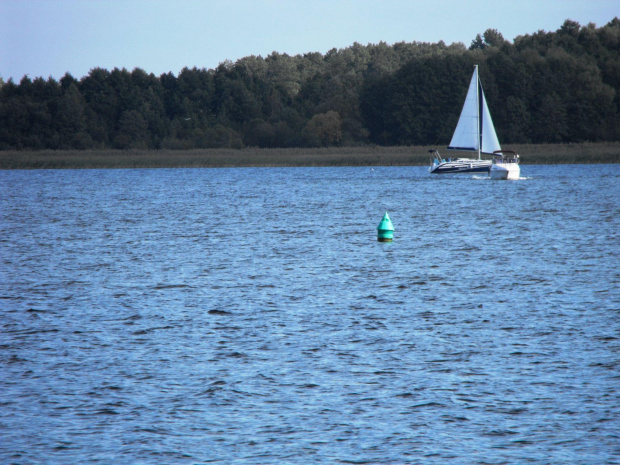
x=547, y=87
x=420, y=103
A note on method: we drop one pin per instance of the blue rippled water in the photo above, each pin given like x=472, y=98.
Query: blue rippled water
x=238, y=316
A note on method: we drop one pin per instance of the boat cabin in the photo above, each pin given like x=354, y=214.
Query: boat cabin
x=505, y=156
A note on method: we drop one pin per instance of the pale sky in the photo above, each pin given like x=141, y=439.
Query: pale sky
x=43, y=38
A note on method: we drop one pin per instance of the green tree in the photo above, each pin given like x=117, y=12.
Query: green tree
x=550, y=121
x=101, y=105
x=70, y=120
x=517, y=129
x=132, y=132
x=324, y=129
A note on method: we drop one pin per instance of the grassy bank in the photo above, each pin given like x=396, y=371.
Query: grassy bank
x=603, y=152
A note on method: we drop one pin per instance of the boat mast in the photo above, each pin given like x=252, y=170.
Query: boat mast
x=478, y=108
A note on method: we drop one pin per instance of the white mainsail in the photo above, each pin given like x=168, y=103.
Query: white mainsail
x=475, y=131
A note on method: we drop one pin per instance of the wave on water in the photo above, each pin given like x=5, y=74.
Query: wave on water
x=488, y=331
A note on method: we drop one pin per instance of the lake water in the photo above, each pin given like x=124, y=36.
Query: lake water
x=236, y=316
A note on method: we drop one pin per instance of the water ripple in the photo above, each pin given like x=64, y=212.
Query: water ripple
x=250, y=316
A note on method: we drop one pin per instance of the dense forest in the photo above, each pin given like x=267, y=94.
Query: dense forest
x=547, y=87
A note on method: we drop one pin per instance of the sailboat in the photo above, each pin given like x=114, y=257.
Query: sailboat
x=474, y=133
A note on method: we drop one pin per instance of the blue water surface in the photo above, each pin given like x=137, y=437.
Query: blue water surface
x=190, y=316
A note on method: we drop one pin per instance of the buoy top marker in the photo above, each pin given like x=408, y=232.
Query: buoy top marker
x=385, y=229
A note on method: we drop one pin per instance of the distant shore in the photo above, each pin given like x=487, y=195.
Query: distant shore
x=584, y=153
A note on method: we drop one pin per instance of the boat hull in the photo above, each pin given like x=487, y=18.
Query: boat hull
x=509, y=171
x=461, y=166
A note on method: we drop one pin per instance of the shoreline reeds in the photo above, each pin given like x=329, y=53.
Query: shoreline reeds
x=582, y=153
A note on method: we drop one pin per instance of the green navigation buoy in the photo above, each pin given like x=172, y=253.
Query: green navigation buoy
x=385, y=230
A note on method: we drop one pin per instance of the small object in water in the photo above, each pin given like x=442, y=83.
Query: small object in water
x=385, y=230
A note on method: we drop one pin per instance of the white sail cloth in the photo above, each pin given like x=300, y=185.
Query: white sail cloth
x=475, y=131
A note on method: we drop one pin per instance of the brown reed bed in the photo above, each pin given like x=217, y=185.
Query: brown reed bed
x=601, y=152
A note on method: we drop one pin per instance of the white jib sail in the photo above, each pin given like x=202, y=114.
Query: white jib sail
x=489, y=139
